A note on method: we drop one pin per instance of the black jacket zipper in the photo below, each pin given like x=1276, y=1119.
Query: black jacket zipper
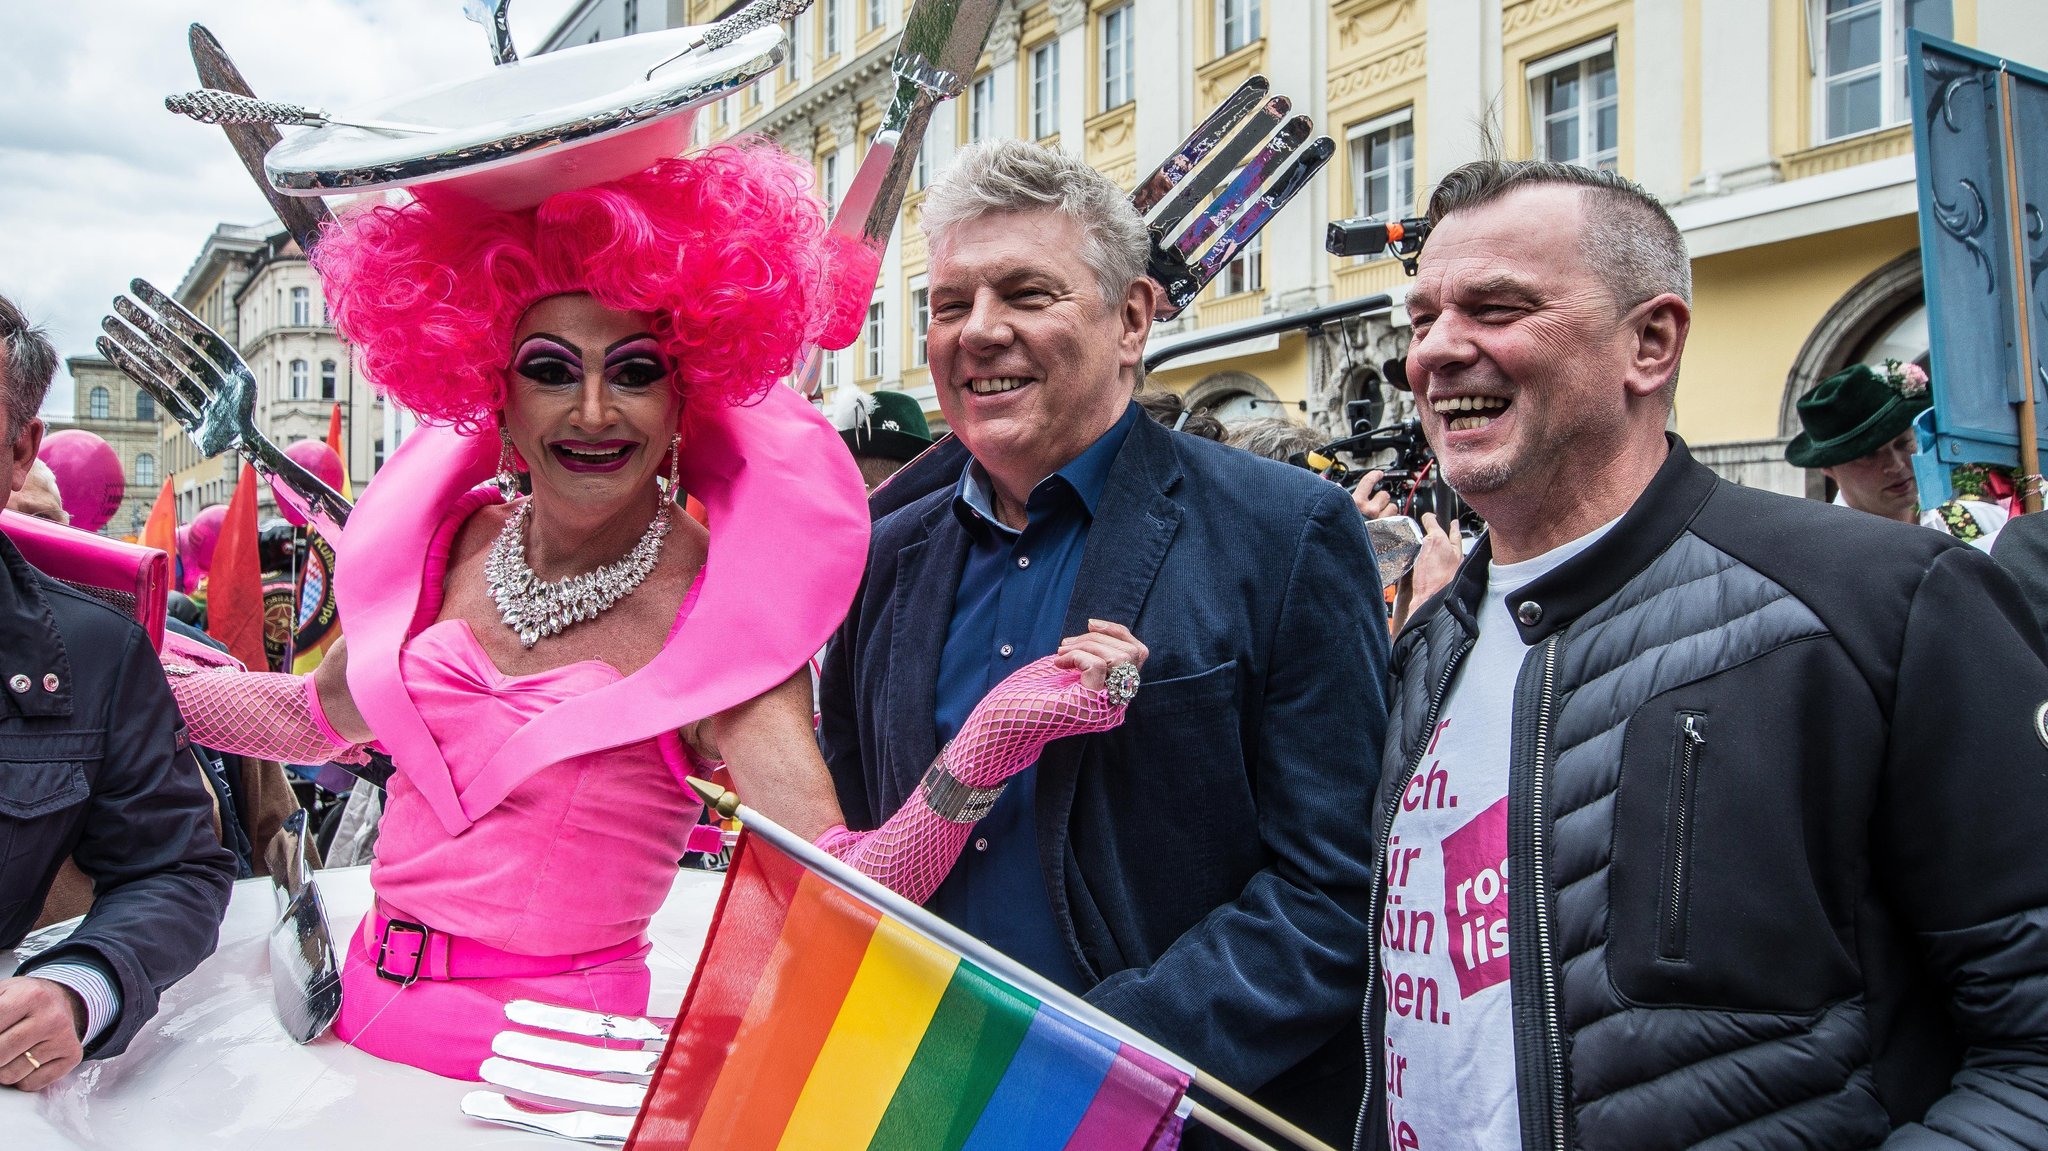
x=1685, y=754
x=1537, y=869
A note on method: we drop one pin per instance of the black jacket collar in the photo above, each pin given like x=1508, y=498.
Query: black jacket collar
x=1550, y=604
x=30, y=645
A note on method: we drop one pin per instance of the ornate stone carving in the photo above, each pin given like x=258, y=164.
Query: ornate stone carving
x=842, y=119
x=1068, y=14
x=1004, y=34
x=1529, y=15
x=1375, y=74
x=1368, y=22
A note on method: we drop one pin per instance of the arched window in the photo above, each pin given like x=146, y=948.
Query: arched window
x=145, y=405
x=327, y=379
x=145, y=470
x=101, y=403
x=300, y=379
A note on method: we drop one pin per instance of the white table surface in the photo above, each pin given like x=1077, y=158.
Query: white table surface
x=214, y=1071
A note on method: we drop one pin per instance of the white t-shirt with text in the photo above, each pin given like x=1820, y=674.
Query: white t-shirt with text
x=1449, y=1060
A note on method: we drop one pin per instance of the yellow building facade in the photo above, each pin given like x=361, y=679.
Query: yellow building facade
x=1776, y=131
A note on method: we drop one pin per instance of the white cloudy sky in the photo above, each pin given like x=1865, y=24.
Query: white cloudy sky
x=98, y=184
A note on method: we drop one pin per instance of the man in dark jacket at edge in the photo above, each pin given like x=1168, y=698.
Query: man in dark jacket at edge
x=1751, y=786
x=92, y=768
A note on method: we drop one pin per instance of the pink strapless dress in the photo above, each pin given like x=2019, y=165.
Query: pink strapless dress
x=574, y=861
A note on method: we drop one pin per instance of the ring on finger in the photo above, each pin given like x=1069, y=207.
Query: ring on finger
x=1123, y=683
x=33, y=1062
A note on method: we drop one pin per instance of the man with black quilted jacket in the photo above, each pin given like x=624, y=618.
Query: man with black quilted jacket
x=1708, y=816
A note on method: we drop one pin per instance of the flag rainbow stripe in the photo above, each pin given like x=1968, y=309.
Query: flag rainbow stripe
x=818, y=1022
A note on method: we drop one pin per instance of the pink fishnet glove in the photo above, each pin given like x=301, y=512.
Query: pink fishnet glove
x=257, y=713
x=1038, y=703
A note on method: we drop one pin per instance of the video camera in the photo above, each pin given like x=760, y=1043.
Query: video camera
x=1412, y=476
x=1366, y=236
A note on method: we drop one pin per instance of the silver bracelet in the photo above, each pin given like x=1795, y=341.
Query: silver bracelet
x=953, y=800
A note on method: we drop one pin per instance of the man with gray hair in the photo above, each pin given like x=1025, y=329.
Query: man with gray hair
x=93, y=768
x=1200, y=871
x=1689, y=751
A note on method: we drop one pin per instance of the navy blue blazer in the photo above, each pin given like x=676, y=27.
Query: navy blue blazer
x=1208, y=861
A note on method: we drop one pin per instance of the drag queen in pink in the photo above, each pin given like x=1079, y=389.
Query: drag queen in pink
x=545, y=671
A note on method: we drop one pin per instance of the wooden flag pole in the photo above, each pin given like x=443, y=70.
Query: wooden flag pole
x=2030, y=449
x=728, y=806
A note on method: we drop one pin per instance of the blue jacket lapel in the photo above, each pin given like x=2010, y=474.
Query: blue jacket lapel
x=927, y=574
x=1134, y=526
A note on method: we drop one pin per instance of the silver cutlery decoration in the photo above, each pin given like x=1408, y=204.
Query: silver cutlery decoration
x=212, y=106
x=205, y=385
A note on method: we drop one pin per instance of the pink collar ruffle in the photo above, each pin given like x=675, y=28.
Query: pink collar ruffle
x=789, y=537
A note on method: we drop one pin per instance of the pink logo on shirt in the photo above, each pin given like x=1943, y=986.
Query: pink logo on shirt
x=1476, y=900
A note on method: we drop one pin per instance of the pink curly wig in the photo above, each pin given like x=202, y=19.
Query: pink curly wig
x=726, y=246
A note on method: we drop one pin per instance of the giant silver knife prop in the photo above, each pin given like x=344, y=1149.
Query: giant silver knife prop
x=942, y=41
x=305, y=979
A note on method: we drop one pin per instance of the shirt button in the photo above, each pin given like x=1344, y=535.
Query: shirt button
x=981, y=844
x=1530, y=613
x=1006, y=649
x=1023, y=561
x=20, y=684
x=50, y=682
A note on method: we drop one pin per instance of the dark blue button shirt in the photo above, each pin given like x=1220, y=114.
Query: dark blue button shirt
x=1011, y=608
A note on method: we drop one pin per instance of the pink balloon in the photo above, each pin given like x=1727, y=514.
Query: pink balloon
x=316, y=457
x=201, y=535
x=89, y=475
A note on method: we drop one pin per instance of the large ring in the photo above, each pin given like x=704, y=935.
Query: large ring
x=1123, y=683
x=33, y=1062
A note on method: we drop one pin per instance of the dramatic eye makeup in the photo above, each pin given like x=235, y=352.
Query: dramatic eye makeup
x=546, y=360
x=636, y=363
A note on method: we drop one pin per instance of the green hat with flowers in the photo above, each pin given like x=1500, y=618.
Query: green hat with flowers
x=1855, y=412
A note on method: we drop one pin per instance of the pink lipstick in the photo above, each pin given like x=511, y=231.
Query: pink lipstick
x=582, y=456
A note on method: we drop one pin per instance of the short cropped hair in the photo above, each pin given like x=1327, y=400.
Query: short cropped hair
x=28, y=362
x=726, y=247
x=1019, y=176
x=1630, y=240
x=1272, y=437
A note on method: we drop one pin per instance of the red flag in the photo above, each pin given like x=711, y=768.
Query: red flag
x=234, y=585
x=160, y=531
x=334, y=441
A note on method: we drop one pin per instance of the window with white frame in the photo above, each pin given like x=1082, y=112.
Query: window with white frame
x=145, y=406
x=828, y=179
x=301, y=378
x=1383, y=166
x=1859, y=59
x=328, y=379
x=981, y=107
x=920, y=321
x=830, y=373
x=791, y=30
x=145, y=470
x=921, y=171
x=876, y=16
x=1237, y=24
x=831, y=27
x=1045, y=90
x=302, y=308
x=876, y=326
x=1575, y=105
x=101, y=404
x=632, y=16
x=1118, y=70
x=1246, y=271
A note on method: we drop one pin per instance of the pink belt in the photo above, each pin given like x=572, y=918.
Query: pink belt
x=407, y=952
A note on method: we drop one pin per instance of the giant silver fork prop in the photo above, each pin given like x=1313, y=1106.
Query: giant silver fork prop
x=1246, y=129
x=204, y=384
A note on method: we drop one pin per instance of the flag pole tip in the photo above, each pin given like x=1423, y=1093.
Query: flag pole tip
x=718, y=799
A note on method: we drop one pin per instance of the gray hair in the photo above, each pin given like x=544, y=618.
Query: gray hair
x=1273, y=438
x=1019, y=176
x=1631, y=242
x=28, y=362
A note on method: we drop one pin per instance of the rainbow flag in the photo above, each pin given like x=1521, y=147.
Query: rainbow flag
x=819, y=1022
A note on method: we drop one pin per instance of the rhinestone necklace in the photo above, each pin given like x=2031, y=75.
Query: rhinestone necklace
x=537, y=608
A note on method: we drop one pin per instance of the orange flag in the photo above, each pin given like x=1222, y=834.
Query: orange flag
x=334, y=441
x=234, y=585
x=160, y=531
